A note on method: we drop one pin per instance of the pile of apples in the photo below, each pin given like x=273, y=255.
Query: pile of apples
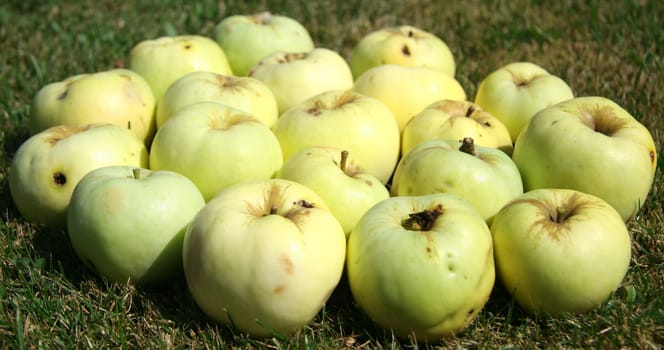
x=263, y=167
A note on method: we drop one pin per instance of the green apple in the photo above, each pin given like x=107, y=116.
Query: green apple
x=515, y=92
x=421, y=266
x=163, y=60
x=48, y=165
x=560, y=251
x=583, y=144
x=215, y=146
x=116, y=96
x=455, y=120
x=244, y=93
x=332, y=173
x=264, y=256
x=405, y=45
x=484, y=176
x=246, y=39
x=127, y=223
x=345, y=120
x=295, y=77
x=408, y=90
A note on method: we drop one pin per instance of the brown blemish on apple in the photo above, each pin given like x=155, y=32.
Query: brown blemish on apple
x=405, y=50
x=602, y=120
x=304, y=203
x=652, y=156
x=59, y=179
x=187, y=46
x=287, y=264
x=279, y=289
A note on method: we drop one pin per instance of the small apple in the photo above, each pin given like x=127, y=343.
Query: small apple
x=264, y=256
x=421, y=266
x=48, y=165
x=515, y=92
x=345, y=120
x=405, y=45
x=294, y=77
x=246, y=39
x=128, y=223
x=560, y=251
x=583, y=144
x=215, y=146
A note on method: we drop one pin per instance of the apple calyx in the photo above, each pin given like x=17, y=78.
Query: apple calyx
x=468, y=146
x=261, y=17
x=423, y=220
x=319, y=105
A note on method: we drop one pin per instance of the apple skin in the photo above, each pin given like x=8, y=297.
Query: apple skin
x=405, y=45
x=582, y=144
x=560, y=251
x=116, y=96
x=346, y=189
x=428, y=283
x=128, y=224
x=408, y=90
x=246, y=39
x=264, y=256
x=345, y=120
x=215, y=146
x=515, y=92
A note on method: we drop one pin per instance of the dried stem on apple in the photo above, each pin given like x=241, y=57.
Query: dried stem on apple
x=136, y=173
x=423, y=220
x=344, y=160
x=468, y=146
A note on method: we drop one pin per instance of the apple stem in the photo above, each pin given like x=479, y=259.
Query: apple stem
x=423, y=220
x=344, y=160
x=468, y=146
x=136, y=173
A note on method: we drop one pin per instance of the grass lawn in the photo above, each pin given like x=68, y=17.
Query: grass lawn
x=48, y=300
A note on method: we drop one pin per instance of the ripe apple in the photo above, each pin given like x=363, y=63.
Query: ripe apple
x=484, y=176
x=128, y=223
x=264, y=256
x=583, y=144
x=515, y=92
x=455, y=120
x=421, y=266
x=408, y=90
x=560, y=251
x=215, y=146
x=345, y=120
x=163, y=60
x=246, y=39
x=332, y=173
x=244, y=93
x=294, y=77
x=116, y=96
x=405, y=45
x=48, y=165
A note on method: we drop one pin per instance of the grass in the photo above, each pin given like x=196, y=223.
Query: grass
x=48, y=300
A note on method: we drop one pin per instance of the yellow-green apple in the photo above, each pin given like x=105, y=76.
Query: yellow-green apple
x=455, y=120
x=421, y=266
x=295, y=77
x=48, y=165
x=215, y=146
x=515, y=92
x=560, y=251
x=484, y=176
x=248, y=38
x=264, y=256
x=244, y=93
x=345, y=120
x=408, y=90
x=405, y=45
x=116, y=96
x=163, y=60
x=590, y=144
x=127, y=223
x=332, y=173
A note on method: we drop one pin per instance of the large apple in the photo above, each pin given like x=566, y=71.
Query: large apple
x=49, y=164
x=116, y=96
x=345, y=120
x=128, y=223
x=515, y=92
x=333, y=174
x=584, y=144
x=246, y=39
x=421, y=266
x=264, y=256
x=560, y=251
x=215, y=146
x=408, y=90
x=295, y=77
x=405, y=45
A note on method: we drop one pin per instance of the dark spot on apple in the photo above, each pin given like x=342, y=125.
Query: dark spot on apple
x=487, y=124
x=411, y=34
x=63, y=95
x=428, y=250
x=471, y=311
x=279, y=289
x=652, y=156
x=59, y=179
x=368, y=182
x=314, y=111
x=187, y=46
x=405, y=50
x=304, y=203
